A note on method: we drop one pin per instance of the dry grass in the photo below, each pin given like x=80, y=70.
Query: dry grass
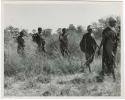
x=53, y=75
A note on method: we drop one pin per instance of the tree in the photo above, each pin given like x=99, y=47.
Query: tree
x=72, y=27
x=47, y=32
x=80, y=29
x=33, y=31
x=12, y=30
x=59, y=30
x=103, y=23
x=25, y=32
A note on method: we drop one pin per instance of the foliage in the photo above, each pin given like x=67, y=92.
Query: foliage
x=50, y=73
x=103, y=23
x=71, y=27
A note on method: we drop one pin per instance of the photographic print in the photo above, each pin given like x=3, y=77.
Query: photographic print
x=62, y=48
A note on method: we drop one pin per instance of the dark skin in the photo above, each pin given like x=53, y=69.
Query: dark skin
x=64, y=42
x=39, y=31
x=64, y=32
x=21, y=35
x=112, y=24
x=20, y=40
x=89, y=43
x=87, y=64
x=89, y=31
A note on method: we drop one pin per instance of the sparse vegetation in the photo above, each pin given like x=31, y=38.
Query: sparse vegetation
x=51, y=74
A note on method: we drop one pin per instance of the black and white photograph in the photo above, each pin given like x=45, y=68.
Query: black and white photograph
x=60, y=49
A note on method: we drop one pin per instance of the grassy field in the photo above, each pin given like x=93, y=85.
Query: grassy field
x=53, y=75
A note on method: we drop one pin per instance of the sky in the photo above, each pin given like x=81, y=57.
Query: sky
x=54, y=16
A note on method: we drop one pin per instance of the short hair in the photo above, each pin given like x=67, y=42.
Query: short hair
x=39, y=29
x=22, y=33
x=89, y=27
x=111, y=19
x=64, y=29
